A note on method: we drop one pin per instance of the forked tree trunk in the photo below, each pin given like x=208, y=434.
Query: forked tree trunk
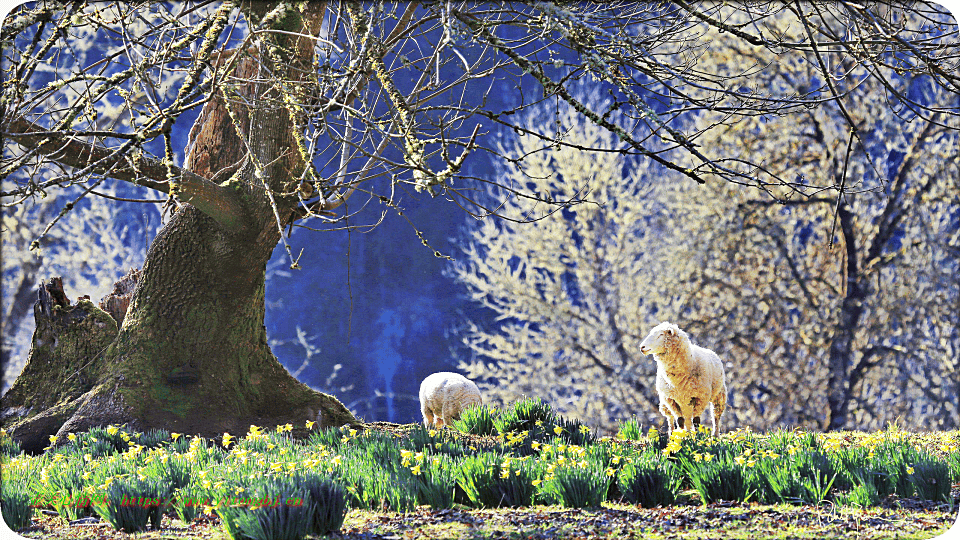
x=192, y=354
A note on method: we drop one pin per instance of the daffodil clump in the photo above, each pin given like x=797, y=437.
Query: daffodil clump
x=255, y=482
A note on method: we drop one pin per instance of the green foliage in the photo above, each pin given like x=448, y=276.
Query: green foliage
x=527, y=414
x=174, y=469
x=180, y=444
x=117, y=437
x=492, y=480
x=8, y=446
x=930, y=479
x=649, y=483
x=575, y=432
x=436, y=482
x=781, y=481
x=15, y=504
x=386, y=471
x=328, y=437
x=630, y=430
x=376, y=474
x=852, y=467
x=953, y=461
x=479, y=420
x=275, y=508
x=892, y=458
x=578, y=485
x=154, y=438
x=863, y=495
x=130, y=502
x=61, y=485
x=437, y=441
x=186, y=502
x=329, y=500
x=720, y=478
x=97, y=442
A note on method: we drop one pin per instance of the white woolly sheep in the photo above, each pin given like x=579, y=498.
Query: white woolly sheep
x=689, y=378
x=443, y=396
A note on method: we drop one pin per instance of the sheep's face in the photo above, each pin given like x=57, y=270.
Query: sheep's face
x=658, y=340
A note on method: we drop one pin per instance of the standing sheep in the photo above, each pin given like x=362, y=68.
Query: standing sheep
x=443, y=396
x=689, y=378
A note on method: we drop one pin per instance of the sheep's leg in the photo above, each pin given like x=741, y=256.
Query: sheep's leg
x=427, y=416
x=666, y=414
x=719, y=404
x=671, y=409
x=674, y=407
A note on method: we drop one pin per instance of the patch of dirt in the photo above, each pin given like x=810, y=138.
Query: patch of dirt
x=719, y=520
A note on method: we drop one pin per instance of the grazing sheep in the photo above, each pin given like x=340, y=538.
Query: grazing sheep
x=443, y=396
x=689, y=378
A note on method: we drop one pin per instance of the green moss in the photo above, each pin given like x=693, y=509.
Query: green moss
x=63, y=362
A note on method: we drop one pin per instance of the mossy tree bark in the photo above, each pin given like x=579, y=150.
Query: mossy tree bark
x=192, y=355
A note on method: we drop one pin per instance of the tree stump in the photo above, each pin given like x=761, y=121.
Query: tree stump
x=61, y=367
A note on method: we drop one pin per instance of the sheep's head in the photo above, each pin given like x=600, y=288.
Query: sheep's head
x=660, y=338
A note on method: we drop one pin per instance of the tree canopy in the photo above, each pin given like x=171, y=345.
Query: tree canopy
x=393, y=95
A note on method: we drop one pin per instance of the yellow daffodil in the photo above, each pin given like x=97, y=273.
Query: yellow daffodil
x=112, y=430
x=558, y=430
x=672, y=447
x=415, y=470
x=310, y=424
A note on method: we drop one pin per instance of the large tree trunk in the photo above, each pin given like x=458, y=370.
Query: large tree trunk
x=192, y=354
